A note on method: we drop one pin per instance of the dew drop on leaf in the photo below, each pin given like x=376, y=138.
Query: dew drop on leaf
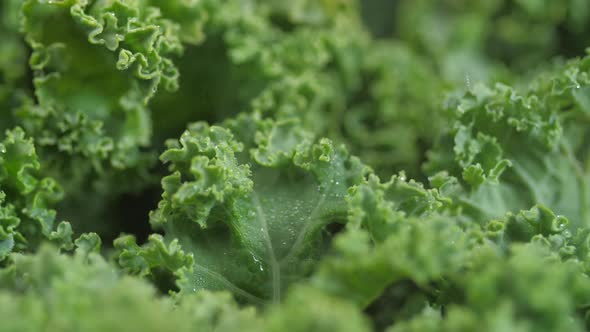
x=257, y=261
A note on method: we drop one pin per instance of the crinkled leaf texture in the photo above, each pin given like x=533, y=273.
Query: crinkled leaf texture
x=501, y=293
x=402, y=252
x=121, y=45
x=257, y=209
x=510, y=150
x=53, y=292
x=251, y=207
x=26, y=199
x=394, y=234
x=95, y=66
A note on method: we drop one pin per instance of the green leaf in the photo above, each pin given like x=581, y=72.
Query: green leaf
x=307, y=309
x=515, y=149
x=420, y=250
x=254, y=222
x=382, y=207
x=95, y=67
x=26, y=199
x=53, y=292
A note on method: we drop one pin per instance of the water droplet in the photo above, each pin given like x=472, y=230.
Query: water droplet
x=337, y=182
x=257, y=261
x=2, y=149
x=467, y=81
x=577, y=86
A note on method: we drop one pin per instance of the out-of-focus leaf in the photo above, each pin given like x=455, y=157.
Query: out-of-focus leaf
x=26, y=199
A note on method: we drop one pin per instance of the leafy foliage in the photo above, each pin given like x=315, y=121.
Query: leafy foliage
x=330, y=165
x=26, y=216
x=263, y=210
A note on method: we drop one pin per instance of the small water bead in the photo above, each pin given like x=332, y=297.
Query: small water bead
x=561, y=222
x=257, y=261
x=467, y=81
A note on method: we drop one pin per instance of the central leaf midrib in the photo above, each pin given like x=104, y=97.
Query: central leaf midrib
x=219, y=277
x=274, y=265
